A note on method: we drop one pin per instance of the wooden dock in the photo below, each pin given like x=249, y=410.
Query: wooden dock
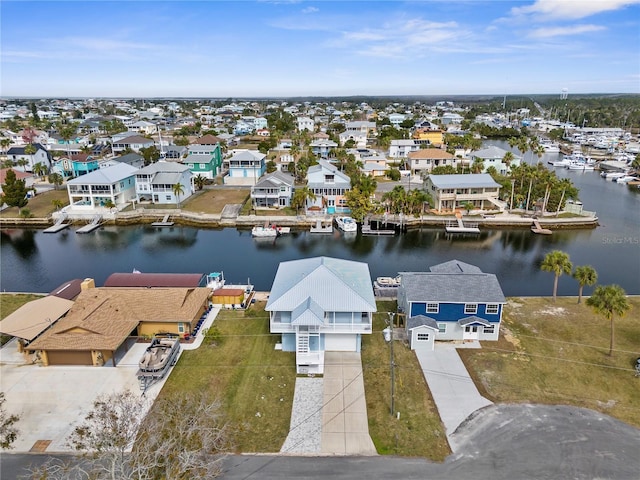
x=163, y=223
x=90, y=227
x=58, y=226
x=537, y=228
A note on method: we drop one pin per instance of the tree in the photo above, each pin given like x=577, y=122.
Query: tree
x=359, y=203
x=39, y=169
x=271, y=166
x=609, y=300
x=67, y=132
x=8, y=430
x=4, y=143
x=58, y=204
x=557, y=262
x=585, y=275
x=14, y=191
x=468, y=206
x=508, y=158
x=477, y=166
x=150, y=154
x=56, y=179
x=178, y=189
x=300, y=197
x=199, y=181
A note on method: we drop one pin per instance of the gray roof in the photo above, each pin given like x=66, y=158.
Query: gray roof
x=467, y=180
x=166, y=178
x=451, y=287
x=419, y=320
x=202, y=148
x=250, y=155
x=454, y=266
x=340, y=179
x=335, y=285
x=164, y=167
x=307, y=313
x=463, y=322
x=133, y=139
x=276, y=179
x=108, y=175
x=490, y=152
x=129, y=158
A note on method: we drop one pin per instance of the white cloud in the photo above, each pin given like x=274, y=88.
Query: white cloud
x=548, y=32
x=565, y=9
x=310, y=10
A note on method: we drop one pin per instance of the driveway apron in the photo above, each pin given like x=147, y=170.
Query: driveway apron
x=453, y=391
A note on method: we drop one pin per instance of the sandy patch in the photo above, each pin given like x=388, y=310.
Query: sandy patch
x=553, y=311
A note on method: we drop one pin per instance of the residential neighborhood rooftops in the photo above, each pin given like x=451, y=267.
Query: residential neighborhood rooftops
x=182, y=280
x=207, y=140
x=134, y=139
x=275, y=179
x=467, y=180
x=164, y=167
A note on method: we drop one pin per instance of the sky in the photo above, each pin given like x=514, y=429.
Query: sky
x=317, y=48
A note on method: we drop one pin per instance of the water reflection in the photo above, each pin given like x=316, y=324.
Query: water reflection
x=22, y=241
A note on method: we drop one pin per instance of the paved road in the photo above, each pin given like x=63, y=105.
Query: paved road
x=505, y=442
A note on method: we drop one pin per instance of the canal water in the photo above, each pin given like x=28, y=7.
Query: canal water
x=35, y=262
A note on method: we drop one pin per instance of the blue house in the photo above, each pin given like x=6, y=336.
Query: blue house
x=452, y=301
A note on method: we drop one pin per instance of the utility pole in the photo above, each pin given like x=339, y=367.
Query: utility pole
x=391, y=363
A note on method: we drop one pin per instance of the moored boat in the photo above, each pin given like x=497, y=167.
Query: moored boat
x=387, y=282
x=269, y=231
x=346, y=224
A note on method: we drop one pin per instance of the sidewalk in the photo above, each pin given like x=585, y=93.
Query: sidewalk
x=453, y=391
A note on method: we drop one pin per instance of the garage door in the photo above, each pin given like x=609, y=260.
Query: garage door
x=69, y=357
x=340, y=343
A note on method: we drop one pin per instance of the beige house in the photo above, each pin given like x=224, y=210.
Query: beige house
x=100, y=325
x=451, y=192
x=425, y=159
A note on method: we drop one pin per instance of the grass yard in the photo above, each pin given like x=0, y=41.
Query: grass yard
x=556, y=353
x=237, y=362
x=213, y=201
x=419, y=431
x=9, y=303
x=41, y=205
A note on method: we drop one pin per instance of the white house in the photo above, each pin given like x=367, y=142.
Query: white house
x=401, y=148
x=115, y=184
x=322, y=148
x=329, y=185
x=245, y=168
x=320, y=304
x=492, y=157
x=273, y=190
x=450, y=192
x=134, y=142
x=41, y=155
x=360, y=138
x=143, y=127
x=155, y=183
x=306, y=123
x=396, y=119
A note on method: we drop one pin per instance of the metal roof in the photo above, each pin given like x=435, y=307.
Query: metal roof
x=276, y=179
x=164, y=167
x=491, y=152
x=335, y=285
x=33, y=318
x=108, y=175
x=467, y=180
x=68, y=290
x=155, y=280
x=451, y=287
x=307, y=313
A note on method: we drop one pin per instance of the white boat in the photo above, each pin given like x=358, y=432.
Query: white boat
x=612, y=175
x=625, y=179
x=347, y=224
x=583, y=165
x=387, y=282
x=215, y=280
x=560, y=163
x=272, y=231
x=550, y=147
x=158, y=359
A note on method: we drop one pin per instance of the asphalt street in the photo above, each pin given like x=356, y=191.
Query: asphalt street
x=509, y=442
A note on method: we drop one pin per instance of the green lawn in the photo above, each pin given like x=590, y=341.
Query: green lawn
x=556, y=353
x=238, y=363
x=40, y=206
x=418, y=431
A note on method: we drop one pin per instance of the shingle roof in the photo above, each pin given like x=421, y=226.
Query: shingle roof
x=451, y=287
x=454, y=266
x=129, y=158
x=420, y=320
x=102, y=318
x=467, y=180
x=334, y=284
x=164, y=167
x=463, y=322
x=430, y=153
x=133, y=139
x=108, y=175
x=208, y=140
x=276, y=179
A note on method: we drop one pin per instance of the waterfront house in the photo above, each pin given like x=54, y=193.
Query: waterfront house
x=273, y=190
x=320, y=304
x=329, y=185
x=452, y=301
x=205, y=160
x=41, y=155
x=451, y=192
x=424, y=160
x=103, y=322
x=492, y=157
x=28, y=178
x=155, y=182
x=245, y=168
x=79, y=164
x=114, y=185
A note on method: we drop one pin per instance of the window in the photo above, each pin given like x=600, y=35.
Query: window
x=422, y=337
x=203, y=166
x=470, y=308
x=433, y=307
x=168, y=197
x=180, y=327
x=442, y=328
x=490, y=329
x=492, y=308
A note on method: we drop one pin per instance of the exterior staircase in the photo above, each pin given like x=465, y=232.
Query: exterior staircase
x=303, y=343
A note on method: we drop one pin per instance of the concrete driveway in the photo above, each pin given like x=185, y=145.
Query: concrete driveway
x=453, y=391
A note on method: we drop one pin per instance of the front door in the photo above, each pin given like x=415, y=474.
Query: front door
x=471, y=332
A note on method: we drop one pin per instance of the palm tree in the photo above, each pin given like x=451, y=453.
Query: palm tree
x=199, y=181
x=508, y=158
x=57, y=203
x=585, y=275
x=608, y=300
x=56, y=179
x=178, y=189
x=4, y=143
x=477, y=166
x=39, y=169
x=300, y=197
x=557, y=262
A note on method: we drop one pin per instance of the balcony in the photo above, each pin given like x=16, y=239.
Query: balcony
x=362, y=327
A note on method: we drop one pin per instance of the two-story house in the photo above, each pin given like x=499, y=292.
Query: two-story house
x=425, y=159
x=155, y=183
x=329, y=185
x=322, y=148
x=305, y=123
x=205, y=160
x=133, y=142
x=320, y=304
x=450, y=192
x=493, y=156
x=40, y=155
x=245, y=168
x=115, y=185
x=452, y=301
x=400, y=148
x=273, y=190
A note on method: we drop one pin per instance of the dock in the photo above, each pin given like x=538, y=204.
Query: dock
x=367, y=230
x=458, y=226
x=537, y=228
x=163, y=223
x=319, y=227
x=58, y=226
x=90, y=227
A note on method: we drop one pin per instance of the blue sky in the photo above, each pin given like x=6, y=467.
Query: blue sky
x=290, y=48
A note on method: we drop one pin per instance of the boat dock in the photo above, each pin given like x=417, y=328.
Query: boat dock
x=163, y=223
x=90, y=227
x=58, y=226
x=536, y=228
x=458, y=226
x=320, y=227
x=367, y=230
